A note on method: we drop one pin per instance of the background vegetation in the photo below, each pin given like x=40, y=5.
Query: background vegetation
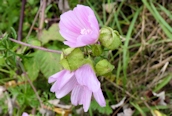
x=143, y=63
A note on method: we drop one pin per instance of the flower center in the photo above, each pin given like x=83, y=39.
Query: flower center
x=85, y=31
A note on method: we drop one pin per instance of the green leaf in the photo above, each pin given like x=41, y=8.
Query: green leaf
x=32, y=67
x=24, y=95
x=163, y=82
x=2, y=60
x=14, y=34
x=34, y=41
x=48, y=62
x=51, y=34
x=138, y=108
x=104, y=110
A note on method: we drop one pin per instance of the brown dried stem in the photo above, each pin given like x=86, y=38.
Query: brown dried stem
x=21, y=20
x=42, y=17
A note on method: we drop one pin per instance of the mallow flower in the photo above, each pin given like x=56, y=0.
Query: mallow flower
x=82, y=84
x=79, y=27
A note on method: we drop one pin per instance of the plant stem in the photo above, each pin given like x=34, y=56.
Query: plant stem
x=31, y=84
x=35, y=47
x=21, y=20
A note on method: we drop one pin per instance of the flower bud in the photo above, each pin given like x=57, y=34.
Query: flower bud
x=96, y=49
x=72, y=59
x=109, y=38
x=103, y=67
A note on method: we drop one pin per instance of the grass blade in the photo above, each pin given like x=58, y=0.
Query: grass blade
x=125, y=49
x=164, y=82
x=166, y=31
x=160, y=18
x=166, y=11
x=138, y=108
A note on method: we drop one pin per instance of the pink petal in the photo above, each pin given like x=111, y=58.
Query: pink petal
x=68, y=35
x=86, y=98
x=67, y=88
x=71, y=44
x=66, y=77
x=83, y=40
x=94, y=24
x=76, y=94
x=69, y=24
x=82, y=13
x=25, y=114
x=72, y=24
x=86, y=15
x=99, y=98
x=54, y=77
x=54, y=87
x=86, y=76
x=61, y=79
x=70, y=21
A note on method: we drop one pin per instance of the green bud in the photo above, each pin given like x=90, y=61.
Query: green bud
x=96, y=49
x=103, y=67
x=109, y=38
x=72, y=59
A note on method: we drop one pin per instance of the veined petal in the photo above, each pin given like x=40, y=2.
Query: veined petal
x=98, y=95
x=93, y=23
x=54, y=77
x=86, y=76
x=71, y=44
x=70, y=20
x=54, y=87
x=81, y=23
x=86, y=98
x=82, y=13
x=76, y=94
x=83, y=40
x=66, y=88
x=68, y=35
x=66, y=77
x=61, y=79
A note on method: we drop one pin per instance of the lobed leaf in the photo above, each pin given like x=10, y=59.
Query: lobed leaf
x=51, y=34
x=48, y=62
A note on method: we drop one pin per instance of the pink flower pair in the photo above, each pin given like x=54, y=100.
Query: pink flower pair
x=82, y=82
x=79, y=28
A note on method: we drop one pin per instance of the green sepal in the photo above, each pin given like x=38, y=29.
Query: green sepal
x=103, y=67
x=96, y=49
x=72, y=58
x=109, y=38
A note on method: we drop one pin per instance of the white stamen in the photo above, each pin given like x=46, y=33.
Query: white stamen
x=85, y=31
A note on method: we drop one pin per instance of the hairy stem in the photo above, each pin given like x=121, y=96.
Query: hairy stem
x=35, y=47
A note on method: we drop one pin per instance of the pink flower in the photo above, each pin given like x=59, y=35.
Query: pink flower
x=25, y=114
x=64, y=82
x=79, y=27
x=82, y=82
